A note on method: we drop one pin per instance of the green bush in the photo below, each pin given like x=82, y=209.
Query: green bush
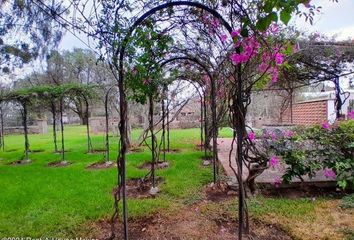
x=327, y=148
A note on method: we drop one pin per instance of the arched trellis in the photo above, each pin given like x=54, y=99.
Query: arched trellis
x=106, y=100
x=238, y=106
x=50, y=93
x=213, y=106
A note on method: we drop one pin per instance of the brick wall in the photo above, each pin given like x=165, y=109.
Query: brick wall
x=307, y=113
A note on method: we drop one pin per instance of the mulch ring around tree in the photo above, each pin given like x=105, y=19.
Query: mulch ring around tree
x=207, y=160
x=191, y=222
x=60, y=151
x=37, y=150
x=158, y=165
x=11, y=150
x=219, y=192
x=20, y=162
x=59, y=164
x=172, y=150
x=199, y=147
x=101, y=165
x=136, y=188
x=96, y=151
x=135, y=150
x=208, y=157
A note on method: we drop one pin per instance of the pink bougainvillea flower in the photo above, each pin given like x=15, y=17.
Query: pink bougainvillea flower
x=239, y=58
x=223, y=38
x=329, y=173
x=274, y=75
x=265, y=134
x=263, y=67
x=274, y=137
x=279, y=58
x=215, y=23
x=235, y=33
x=277, y=181
x=236, y=58
x=351, y=115
x=326, y=125
x=274, y=28
x=273, y=161
x=252, y=136
x=289, y=134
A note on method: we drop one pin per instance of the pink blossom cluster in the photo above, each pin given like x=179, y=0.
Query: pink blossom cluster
x=251, y=48
x=288, y=134
x=274, y=161
x=212, y=23
x=329, y=173
x=252, y=136
x=351, y=115
x=326, y=125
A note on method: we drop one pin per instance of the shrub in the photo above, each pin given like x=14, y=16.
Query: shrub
x=305, y=151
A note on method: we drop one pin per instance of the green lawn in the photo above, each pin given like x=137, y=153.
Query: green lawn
x=36, y=200
x=39, y=201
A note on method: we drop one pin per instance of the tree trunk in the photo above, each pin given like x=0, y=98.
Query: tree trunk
x=163, y=136
x=24, y=118
x=201, y=123
x=84, y=119
x=206, y=122
x=53, y=110
x=168, y=125
x=2, y=129
x=214, y=130
x=153, y=146
x=129, y=134
x=89, y=143
x=107, y=126
x=62, y=132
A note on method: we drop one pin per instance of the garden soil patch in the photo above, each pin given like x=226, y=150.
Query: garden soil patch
x=96, y=151
x=158, y=165
x=172, y=150
x=101, y=165
x=219, y=192
x=58, y=164
x=11, y=150
x=199, y=147
x=136, y=188
x=20, y=162
x=188, y=223
x=37, y=150
x=135, y=150
x=60, y=151
x=208, y=158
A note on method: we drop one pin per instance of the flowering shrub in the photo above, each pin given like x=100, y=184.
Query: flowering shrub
x=334, y=146
x=305, y=151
